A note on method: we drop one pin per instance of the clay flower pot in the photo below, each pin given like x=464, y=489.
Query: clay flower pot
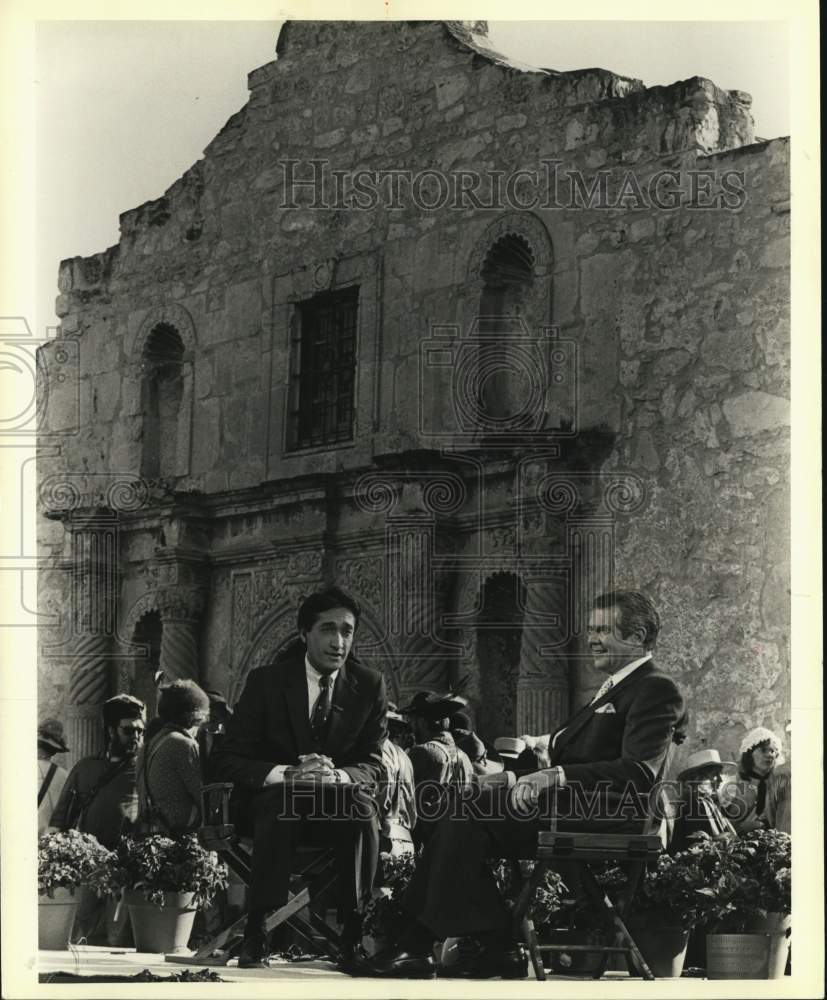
x=663, y=947
x=164, y=928
x=55, y=916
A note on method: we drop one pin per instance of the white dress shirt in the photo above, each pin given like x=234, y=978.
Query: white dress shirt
x=314, y=690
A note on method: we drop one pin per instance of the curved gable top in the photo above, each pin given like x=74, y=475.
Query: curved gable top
x=471, y=35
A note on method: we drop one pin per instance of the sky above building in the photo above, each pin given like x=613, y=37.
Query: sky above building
x=125, y=107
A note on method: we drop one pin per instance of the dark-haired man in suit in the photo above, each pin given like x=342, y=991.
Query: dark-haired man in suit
x=606, y=757
x=303, y=748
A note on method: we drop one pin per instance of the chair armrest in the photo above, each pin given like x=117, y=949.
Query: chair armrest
x=215, y=803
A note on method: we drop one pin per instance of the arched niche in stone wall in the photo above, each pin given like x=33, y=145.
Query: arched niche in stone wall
x=279, y=629
x=528, y=236
x=140, y=633
x=503, y=366
x=499, y=629
x=159, y=387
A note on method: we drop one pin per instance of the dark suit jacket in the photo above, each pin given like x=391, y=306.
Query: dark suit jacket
x=627, y=745
x=270, y=724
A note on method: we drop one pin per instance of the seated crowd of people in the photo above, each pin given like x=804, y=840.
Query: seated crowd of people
x=313, y=737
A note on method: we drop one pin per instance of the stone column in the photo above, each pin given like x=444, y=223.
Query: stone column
x=93, y=602
x=592, y=541
x=410, y=578
x=181, y=609
x=542, y=685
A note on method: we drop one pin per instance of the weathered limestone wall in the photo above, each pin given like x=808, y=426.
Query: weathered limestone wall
x=677, y=305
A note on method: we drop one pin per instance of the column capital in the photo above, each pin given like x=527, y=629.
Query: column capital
x=181, y=604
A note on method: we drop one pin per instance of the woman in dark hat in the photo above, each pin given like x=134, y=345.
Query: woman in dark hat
x=51, y=777
x=169, y=784
x=438, y=763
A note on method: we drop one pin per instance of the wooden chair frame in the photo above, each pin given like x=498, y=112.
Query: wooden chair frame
x=314, y=877
x=584, y=849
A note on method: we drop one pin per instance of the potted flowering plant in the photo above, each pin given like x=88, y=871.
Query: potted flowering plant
x=548, y=897
x=166, y=881
x=384, y=919
x=667, y=906
x=66, y=861
x=747, y=899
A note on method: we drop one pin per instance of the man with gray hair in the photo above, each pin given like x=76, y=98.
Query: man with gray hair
x=601, y=766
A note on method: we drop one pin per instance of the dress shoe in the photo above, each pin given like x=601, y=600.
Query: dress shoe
x=400, y=965
x=355, y=961
x=255, y=949
x=510, y=963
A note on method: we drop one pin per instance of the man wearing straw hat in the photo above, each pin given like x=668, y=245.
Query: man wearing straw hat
x=699, y=810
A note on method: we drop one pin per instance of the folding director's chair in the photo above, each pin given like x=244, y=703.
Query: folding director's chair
x=304, y=910
x=633, y=851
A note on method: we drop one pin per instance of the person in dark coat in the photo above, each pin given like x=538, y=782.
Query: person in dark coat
x=607, y=756
x=100, y=797
x=51, y=777
x=439, y=766
x=483, y=760
x=304, y=751
x=699, y=810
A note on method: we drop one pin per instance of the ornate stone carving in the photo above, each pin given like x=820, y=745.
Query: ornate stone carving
x=172, y=314
x=66, y=492
x=499, y=537
x=523, y=224
x=363, y=577
x=274, y=587
x=143, y=605
x=181, y=604
x=435, y=492
x=88, y=681
x=241, y=613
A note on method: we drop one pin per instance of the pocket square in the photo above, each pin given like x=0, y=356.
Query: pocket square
x=608, y=708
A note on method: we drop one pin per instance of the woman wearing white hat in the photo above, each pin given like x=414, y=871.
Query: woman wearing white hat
x=760, y=799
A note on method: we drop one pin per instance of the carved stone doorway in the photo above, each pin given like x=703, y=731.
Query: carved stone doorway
x=147, y=633
x=499, y=639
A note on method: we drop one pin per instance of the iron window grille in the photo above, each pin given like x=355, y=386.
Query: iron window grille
x=322, y=370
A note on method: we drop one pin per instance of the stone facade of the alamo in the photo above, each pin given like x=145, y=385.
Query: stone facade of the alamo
x=472, y=417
